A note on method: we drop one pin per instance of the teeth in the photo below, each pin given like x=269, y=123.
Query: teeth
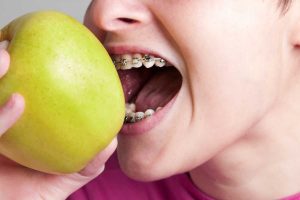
x=117, y=62
x=130, y=107
x=139, y=116
x=126, y=61
x=132, y=116
x=148, y=61
x=160, y=62
x=149, y=112
x=137, y=60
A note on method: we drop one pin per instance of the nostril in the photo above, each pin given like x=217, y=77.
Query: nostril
x=127, y=20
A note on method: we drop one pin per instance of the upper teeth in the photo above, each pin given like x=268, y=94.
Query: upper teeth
x=128, y=61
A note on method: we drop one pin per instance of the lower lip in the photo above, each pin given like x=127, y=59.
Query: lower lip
x=149, y=123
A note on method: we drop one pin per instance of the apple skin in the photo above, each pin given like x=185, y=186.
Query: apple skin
x=75, y=105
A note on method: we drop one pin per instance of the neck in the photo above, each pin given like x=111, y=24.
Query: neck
x=264, y=164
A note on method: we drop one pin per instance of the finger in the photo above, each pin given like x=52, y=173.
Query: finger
x=11, y=112
x=96, y=166
x=4, y=62
x=4, y=44
x=72, y=182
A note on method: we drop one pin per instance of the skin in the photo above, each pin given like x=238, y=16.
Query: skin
x=237, y=127
x=234, y=125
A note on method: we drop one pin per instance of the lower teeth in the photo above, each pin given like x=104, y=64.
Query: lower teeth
x=132, y=116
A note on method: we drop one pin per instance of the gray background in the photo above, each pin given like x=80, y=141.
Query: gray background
x=10, y=9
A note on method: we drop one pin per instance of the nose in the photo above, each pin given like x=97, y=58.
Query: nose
x=117, y=15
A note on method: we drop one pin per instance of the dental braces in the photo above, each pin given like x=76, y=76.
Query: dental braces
x=134, y=61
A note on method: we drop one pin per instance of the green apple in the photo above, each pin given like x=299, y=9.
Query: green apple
x=74, y=100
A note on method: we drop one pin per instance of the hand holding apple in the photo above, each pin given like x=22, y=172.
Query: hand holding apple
x=74, y=98
x=46, y=186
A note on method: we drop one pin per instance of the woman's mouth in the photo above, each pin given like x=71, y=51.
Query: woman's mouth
x=149, y=84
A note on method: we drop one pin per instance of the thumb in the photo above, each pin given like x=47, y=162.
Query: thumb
x=91, y=171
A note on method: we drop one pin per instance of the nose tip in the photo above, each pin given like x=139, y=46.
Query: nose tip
x=114, y=15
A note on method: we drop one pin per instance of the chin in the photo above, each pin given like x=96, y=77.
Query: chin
x=141, y=169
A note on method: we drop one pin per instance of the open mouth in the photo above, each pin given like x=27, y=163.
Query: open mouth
x=149, y=83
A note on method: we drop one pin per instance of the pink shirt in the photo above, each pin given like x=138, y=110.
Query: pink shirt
x=114, y=185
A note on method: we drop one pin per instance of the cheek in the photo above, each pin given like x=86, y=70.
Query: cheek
x=238, y=71
x=235, y=75
x=91, y=19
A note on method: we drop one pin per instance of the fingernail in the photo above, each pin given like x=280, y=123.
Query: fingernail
x=4, y=44
x=1, y=55
x=2, y=52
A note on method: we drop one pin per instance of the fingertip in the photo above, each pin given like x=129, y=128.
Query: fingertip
x=93, y=169
x=4, y=44
x=19, y=102
x=15, y=104
x=97, y=165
